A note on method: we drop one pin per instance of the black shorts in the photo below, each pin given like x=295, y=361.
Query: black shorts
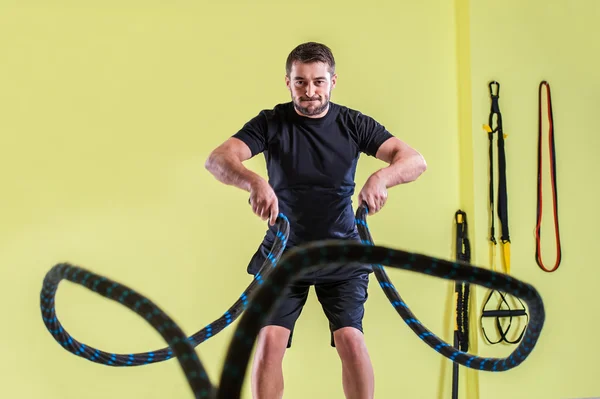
x=341, y=289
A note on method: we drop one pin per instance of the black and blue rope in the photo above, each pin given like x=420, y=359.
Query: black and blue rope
x=168, y=329
x=321, y=253
x=123, y=295
x=458, y=271
x=267, y=296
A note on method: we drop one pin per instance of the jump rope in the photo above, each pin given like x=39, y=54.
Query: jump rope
x=264, y=293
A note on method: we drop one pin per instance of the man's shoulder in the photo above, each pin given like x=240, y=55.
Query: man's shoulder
x=280, y=110
x=345, y=111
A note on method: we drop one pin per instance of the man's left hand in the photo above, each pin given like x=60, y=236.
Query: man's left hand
x=374, y=194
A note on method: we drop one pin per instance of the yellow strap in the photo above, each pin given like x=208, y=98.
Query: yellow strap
x=506, y=249
x=505, y=253
x=455, y=311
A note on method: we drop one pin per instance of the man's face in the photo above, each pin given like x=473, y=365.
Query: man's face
x=310, y=86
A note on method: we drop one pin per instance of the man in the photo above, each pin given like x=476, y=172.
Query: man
x=311, y=147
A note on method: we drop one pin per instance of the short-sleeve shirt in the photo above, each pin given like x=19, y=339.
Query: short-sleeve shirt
x=311, y=165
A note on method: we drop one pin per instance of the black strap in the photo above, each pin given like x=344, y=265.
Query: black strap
x=463, y=253
x=502, y=189
x=461, y=292
x=503, y=216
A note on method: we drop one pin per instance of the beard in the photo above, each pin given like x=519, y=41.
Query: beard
x=314, y=108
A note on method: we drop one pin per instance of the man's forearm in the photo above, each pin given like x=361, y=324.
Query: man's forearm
x=402, y=169
x=229, y=170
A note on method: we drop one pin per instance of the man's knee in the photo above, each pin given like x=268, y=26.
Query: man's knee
x=272, y=343
x=350, y=342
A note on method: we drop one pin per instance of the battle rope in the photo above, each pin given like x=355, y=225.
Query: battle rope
x=503, y=216
x=457, y=271
x=171, y=332
x=128, y=297
x=552, y=161
x=267, y=296
x=461, y=295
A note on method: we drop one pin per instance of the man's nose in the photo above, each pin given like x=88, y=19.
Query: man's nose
x=310, y=90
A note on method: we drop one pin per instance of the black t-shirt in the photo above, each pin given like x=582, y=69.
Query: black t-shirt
x=311, y=164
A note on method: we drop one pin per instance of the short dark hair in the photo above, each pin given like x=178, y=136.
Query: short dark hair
x=310, y=52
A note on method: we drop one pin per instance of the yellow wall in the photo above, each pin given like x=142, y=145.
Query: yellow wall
x=109, y=111
x=519, y=44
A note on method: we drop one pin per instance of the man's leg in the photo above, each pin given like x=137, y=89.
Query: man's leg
x=267, y=366
x=358, y=378
x=343, y=302
x=273, y=339
x=267, y=370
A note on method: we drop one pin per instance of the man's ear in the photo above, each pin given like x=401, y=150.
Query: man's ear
x=333, y=80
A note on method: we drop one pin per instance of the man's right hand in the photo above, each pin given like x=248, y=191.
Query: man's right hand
x=264, y=201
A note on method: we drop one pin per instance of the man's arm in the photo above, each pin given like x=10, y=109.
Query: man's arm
x=405, y=165
x=226, y=163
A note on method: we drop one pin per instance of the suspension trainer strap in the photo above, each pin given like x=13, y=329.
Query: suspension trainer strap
x=493, y=241
x=502, y=189
x=503, y=309
x=552, y=162
x=461, y=295
x=463, y=254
